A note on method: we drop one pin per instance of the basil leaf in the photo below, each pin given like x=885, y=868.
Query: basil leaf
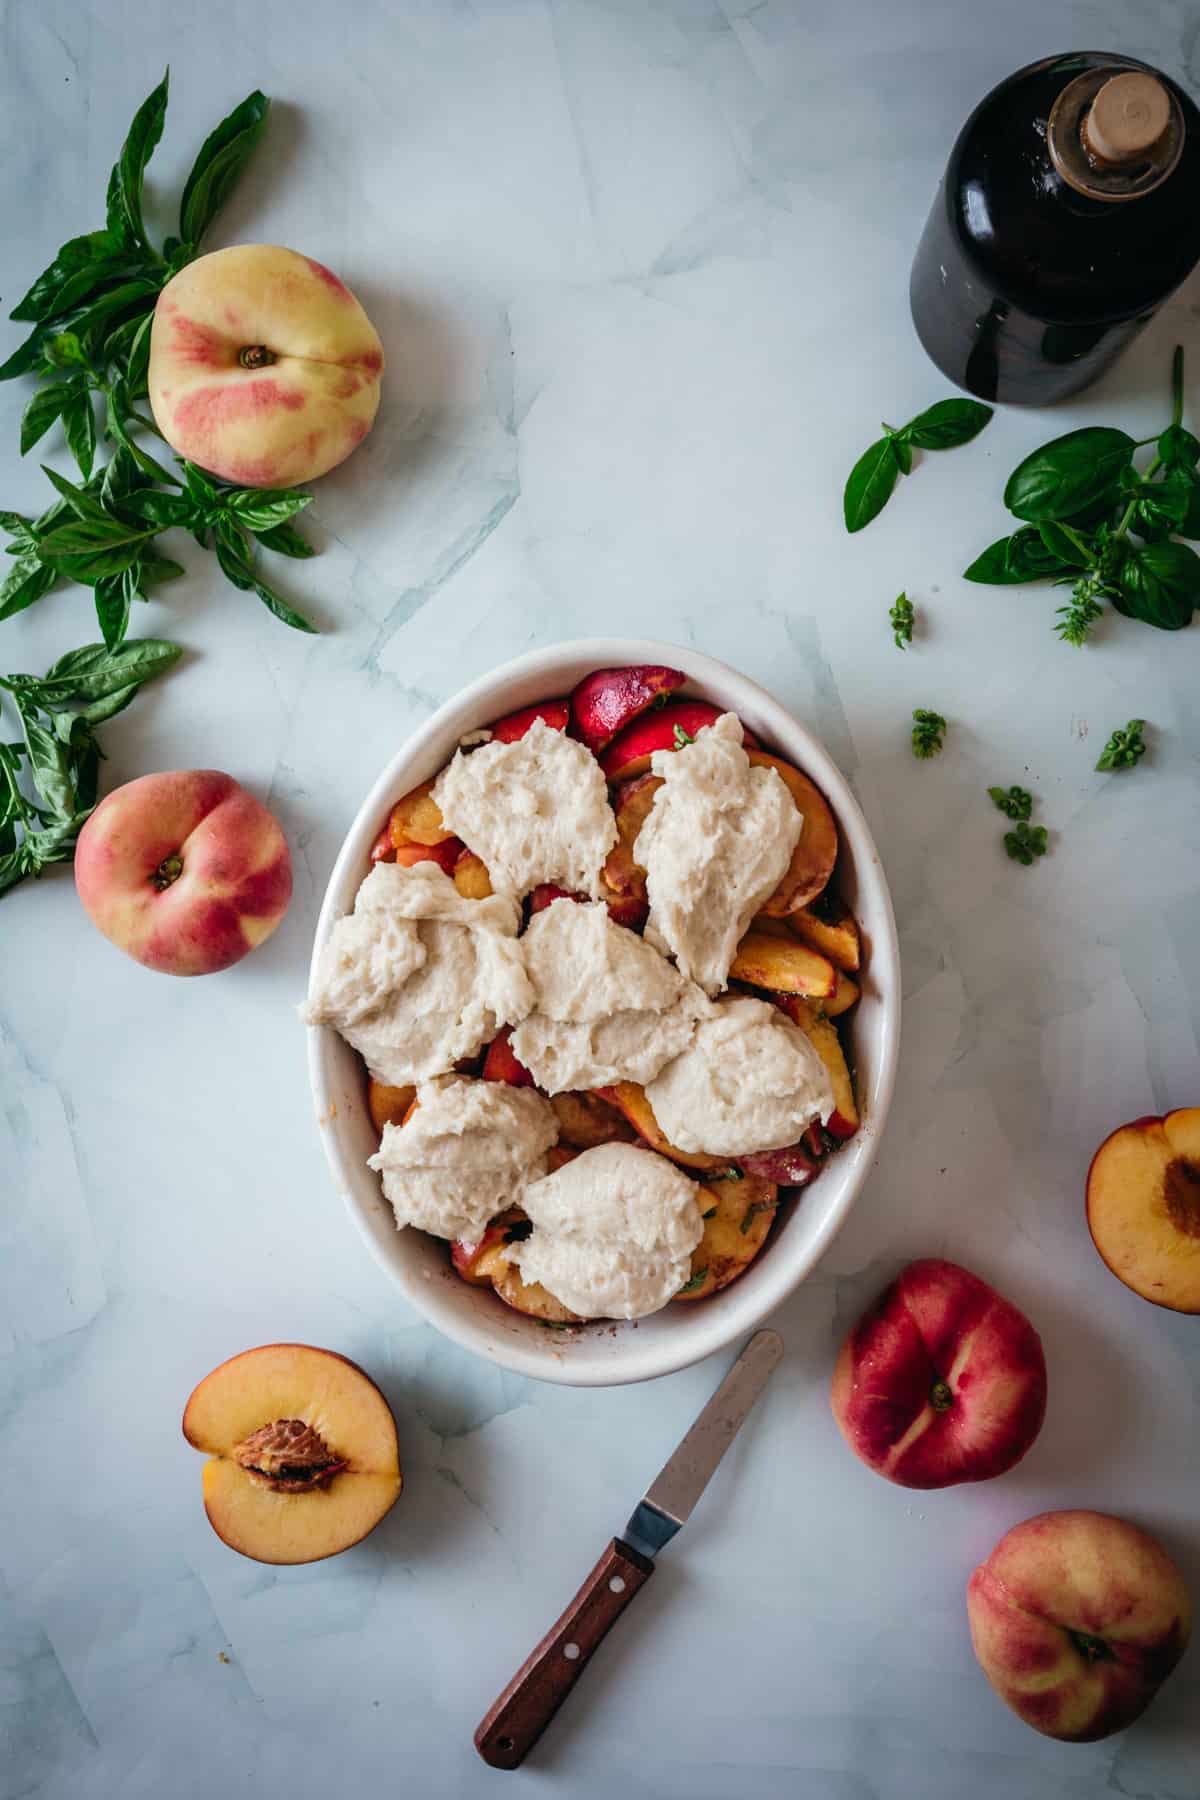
x=138, y=359
x=1177, y=447
x=1069, y=473
x=26, y=356
x=75, y=500
x=161, y=509
x=94, y=671
x=991, y=566
x=1015, y=560
x=262, y=509
x=902, y=451
x=274, y=603
x=160, y=568
x=1189, y=526
x=112, y=607
x=65, y=351
x=1159, y=584
x=130, y=293
x=286, y=540
x=1064, y=546
x=38, y=303
x=89, y=549
x=79, y=424
x=27, y=583
x=46, y=405
x=125, y=185
x=220, y=161
x=49, y=763
x=232, y=558
x=870, y=483
x=948, y=424
x=1162, y=506
x=198, y=483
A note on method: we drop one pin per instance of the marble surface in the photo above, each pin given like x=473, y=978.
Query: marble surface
x=641, y=275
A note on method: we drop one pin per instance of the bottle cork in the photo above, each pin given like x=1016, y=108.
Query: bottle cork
x=1127, y=118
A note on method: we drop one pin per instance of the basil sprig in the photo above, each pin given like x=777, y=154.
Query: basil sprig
x=49, y=775
x=871, y=480
x=1095, y=523
x=91, y=310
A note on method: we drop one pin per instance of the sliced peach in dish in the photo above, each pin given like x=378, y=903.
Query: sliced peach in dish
x=1143, y=1207
x=631, y=1100
x=793, y=1166
x=417, y=818
x=845, y=995
x=554, y=713
x=501, y=1062
x=608, y=700
x=631, y=807
x=833, y=930
x=479, y=1262
x=782, y=966
x=631, y=910
x=531, y=1298
x=471, y=877
x=383, y=849
x=738, y=1213
x=822, y=1034
x=587, y=1120
x=807, y=875
x=303, y=1460
x=445, y=854
x=546, y=893
x=669, y=729
x=388, y=1105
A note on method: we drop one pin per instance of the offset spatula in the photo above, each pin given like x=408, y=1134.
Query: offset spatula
x=538, y=1689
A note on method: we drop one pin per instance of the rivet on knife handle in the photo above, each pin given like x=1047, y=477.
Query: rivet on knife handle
x=538, y=1689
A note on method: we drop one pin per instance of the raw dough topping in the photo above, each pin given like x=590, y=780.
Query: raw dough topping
x=718, y=840
x=750, y=1080
x=607, y=1006
x=613, y=1232
x=535, y=810
x=465, y=1154
x=417, y=977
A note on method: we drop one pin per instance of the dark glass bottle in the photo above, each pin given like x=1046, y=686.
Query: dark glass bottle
x=1069, y=211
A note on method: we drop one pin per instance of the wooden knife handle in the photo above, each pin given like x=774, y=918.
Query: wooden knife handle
x=535, y=1693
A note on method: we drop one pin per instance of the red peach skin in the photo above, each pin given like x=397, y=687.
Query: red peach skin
x=630, y=752
x=264, y=368
x=502, y=1063
x=942, y=1380
x=609, y=699
x=229, y=891
x=554, y=713
x=1077, y=1619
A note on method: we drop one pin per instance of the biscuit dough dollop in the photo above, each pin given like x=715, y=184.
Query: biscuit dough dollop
x=535, y=810
x=715, y=846
x=749, y=1080
x=417, y=977
x=466, y=1153
x=613, y=1232
x=607, y=1005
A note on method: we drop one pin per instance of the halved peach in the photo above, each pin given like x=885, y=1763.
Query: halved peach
x=631, y=1100
x=807, y=875
x=303, y=1460
x=630, y=752
x=783, y=966
x=833, y=931
x=388, y=1105
x=502, y=1064
x=1143, y=1207
x=738, y=1214
x=471, y=877
x=843, y=1122
x=417, y=818
x=554, y=713
x=587, y=1120
x=608, y=700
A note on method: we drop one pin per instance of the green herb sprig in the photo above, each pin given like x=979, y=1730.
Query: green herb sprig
x=1013, y=802
x=1098, y=525
x=92, y=309
x=1124, y=749
x=873, y=477
x=682, y=738
x=49, y=776
x=752, y=1212
x=927, y=731
x=902, y=618
x=695, y=1281
x=1025, y=842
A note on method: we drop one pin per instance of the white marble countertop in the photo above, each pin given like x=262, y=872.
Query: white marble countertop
x=641, y=275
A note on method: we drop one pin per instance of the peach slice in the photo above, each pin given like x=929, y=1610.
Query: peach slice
x=782, y=966
x=554, y=713
x=479, y=1262
x=631, y=807
x=833, y=931
x=417, y=818
x=738, y=1215
x=388, y=1105
x=845, y=995
x=502, y=1064
x=445, y=854
x=383, y=849
x=471, y=877
x=303, y=1460
x=631, y=1100
x=822, y=1034
x=546, y=893
x=608, y=700
x=807, y=875
x=586, y=1120
x=793, y=1166
x=629, y=753
x=1143, y=1207
x=531, y=1298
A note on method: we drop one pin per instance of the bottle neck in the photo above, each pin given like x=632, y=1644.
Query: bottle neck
x=1115, y=133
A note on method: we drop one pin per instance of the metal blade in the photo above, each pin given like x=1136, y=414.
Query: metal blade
x=669, y=1499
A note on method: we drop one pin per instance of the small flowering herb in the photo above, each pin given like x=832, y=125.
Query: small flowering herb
x=751, y=1213
x=1026, y=843
x=697, y=1281
x=1124, y=749
x=902, y=617
x=682, y=738
x=927, y=732
x=1013, y=802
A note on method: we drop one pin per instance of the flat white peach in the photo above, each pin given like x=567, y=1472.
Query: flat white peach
x=264, y=368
